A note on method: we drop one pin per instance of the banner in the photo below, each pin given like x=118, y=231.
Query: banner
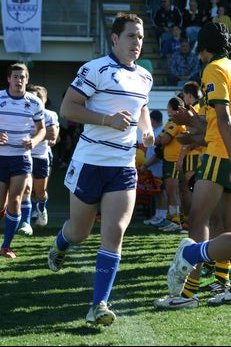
x=21, y=20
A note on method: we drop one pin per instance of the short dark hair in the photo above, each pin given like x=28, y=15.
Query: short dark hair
x=121, y=19
x=17, y=67
x=193, y=88
x=175, y=102
x=156, y=115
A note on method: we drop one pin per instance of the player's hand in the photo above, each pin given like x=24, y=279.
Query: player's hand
x=28, y=143
x=120, y=120
x=183, y=116
x=148, y=139
x=3, y=138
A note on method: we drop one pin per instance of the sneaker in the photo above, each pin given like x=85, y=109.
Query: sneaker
x=152, y=221
x=55, y=258
x=222, y=298
x=7, y=253
x=172, y=227
x=176, y=302
x=179, y=269
x=100, y=315
x=216, y=287
x=183, y=231
x=25, y=229
x=42, y=219
x=162, y=224
x=34, y=215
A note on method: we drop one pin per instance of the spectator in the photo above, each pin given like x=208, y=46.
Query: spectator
x=213, y=9
x=184, y=65
x=223, y=16
x=154, y=163
x=172, y=45
x=164, y=19
x=193, y=20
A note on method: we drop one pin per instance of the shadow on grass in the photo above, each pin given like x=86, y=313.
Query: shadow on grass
x=35, y=300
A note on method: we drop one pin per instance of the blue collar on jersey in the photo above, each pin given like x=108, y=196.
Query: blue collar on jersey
x=130, y=68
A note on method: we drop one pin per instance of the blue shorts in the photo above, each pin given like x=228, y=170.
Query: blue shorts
x=90, y=182
x=14, y=166
x=41, y=168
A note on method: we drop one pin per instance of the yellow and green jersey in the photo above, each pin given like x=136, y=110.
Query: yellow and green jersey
x=216, y=88
x=172, y=149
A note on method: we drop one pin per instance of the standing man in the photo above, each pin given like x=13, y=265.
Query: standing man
x=110, y=96
x=17, y=110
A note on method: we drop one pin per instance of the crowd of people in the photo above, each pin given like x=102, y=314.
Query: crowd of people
x=190, y=154
x=176, y=25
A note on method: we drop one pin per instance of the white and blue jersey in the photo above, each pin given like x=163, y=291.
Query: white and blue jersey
x=16, y=115
x=42, y=150
x=111, y=87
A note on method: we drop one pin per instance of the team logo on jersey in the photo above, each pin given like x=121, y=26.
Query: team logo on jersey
x=22, y=10
x=115, y=76
x=82, y=76
x=3, y=104
x=27, y=105
x=210, y=87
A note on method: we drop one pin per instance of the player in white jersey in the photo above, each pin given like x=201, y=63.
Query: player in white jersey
x=42, y=161
x=17, y=109
x=110, y=96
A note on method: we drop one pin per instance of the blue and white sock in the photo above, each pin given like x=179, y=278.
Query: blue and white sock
x=197, y=253
x=107, y=264
x=26, y=208
x=11, y=225
x=61, y=241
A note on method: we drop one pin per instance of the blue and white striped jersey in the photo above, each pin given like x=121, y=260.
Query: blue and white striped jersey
x=111, y=87
x=42, y=150
x=16, y=115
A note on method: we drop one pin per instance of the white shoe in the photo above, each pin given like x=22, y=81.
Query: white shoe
x=183, y=231
x=25, y=229
x=151, y=220
x=55, y=258
x=101, y=314
x=179, y=269
x=176, y=302
x=42, y=219
x=34, y=215
x=222, y=298
x=172, y=227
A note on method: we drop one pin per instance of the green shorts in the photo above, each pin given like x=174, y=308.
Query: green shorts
x=170, y=170
x=191, y=162
x=215, y=169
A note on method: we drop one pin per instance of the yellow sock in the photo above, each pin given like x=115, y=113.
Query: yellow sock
x=222, y=271
x=191, y=287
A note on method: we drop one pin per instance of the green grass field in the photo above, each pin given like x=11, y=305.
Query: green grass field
x=38, y=307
